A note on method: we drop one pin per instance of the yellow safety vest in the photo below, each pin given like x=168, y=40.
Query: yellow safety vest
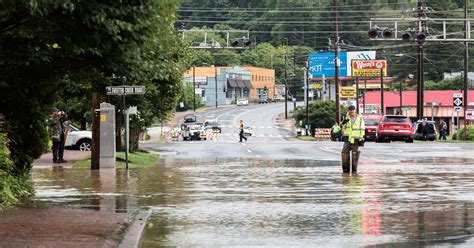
x=354, y=130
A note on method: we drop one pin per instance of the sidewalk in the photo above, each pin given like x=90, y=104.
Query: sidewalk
x=56, y=226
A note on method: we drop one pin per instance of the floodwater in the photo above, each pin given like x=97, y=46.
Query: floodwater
x=231, y=202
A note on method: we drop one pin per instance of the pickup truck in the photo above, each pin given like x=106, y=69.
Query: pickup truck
x=194, y=131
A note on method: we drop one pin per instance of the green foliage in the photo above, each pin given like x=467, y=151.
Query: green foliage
x=321, y=114
x=188, y=97
x=451, y=84
x=56, y=52
x=459, y=135
x=13, y=187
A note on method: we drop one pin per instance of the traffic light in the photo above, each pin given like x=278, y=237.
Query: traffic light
x=420, y=37
x=241, y=42
x=387, y=33
x=373, y=33
x=406, y=36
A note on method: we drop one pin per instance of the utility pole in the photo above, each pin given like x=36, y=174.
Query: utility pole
x=336, y=61
x=215, y=73
x=286, y=92
x=95, y=154
x=194, y=88
x=401, y=97
x=466, y=65
x=357, y=94
x=421, y=85
x=382, y=106
x=365, y=95
x=307, y=96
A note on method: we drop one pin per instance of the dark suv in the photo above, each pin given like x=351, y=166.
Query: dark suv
x=395, y=127
x=419, y=130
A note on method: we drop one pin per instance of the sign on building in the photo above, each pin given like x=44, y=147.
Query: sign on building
x=322, y=63
x=470, y=114
x=457, y=102
x=368, y=68
x=201, y=80
x=347, y=92
x=370, y=108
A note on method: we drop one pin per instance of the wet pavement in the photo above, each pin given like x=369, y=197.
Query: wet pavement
x=263, y=202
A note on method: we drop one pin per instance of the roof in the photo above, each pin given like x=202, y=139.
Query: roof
x=392, y=99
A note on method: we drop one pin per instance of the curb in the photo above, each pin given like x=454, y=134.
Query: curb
x=135, y=231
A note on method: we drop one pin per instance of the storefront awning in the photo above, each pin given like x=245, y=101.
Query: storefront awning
x=232, y=83
x=248, y=84
x=240, y=83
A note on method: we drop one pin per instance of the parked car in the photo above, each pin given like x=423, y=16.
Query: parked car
x=78, y=139
x=263, y=100
x=212, y=124
x=432, y=132
x=371, y=123
x=395, y=127
x=194, y=132
x=189, y=118
x=242, y=102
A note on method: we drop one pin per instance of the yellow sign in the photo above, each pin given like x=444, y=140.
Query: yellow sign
x=315, y=86
x=368, y=68
x=103, y=117
x=347, y=92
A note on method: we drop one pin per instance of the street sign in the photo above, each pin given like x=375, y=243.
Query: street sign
x=457, y=102
x=470, y=114
x=125, y=90
x=316, y=86
x=406, y=108
x=200, y=80
x=347, y=92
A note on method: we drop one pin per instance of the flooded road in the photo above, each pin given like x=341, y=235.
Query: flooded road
x=252, y=202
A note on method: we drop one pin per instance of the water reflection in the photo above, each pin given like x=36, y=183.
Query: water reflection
x=278, y=203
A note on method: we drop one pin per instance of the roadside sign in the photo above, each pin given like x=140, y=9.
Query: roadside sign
x=368, y=68
x=347, y=92
x=457, y=102
x=470, y=114
x=125, y=90
x=316, y=86
x=200, y=80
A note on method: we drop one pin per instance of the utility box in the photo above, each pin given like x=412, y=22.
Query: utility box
x=107, y=135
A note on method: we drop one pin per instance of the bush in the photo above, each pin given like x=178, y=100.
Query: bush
x=12, y=187
x=322, y=114
x=459, y=135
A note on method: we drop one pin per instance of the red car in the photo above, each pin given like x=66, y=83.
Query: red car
x=371, y=124
x=395, y=127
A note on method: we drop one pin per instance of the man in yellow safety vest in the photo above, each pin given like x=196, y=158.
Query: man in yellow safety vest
x=353, y=130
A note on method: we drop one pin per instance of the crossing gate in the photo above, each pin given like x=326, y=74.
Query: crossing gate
x=322, y=133
x=212, y=134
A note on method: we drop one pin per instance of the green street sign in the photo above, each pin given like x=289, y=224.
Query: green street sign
x=406, y=108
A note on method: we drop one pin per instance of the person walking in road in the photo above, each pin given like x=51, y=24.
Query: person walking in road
x=241, y=131
x=353, y=130
x=443, y=129
x=56, y=131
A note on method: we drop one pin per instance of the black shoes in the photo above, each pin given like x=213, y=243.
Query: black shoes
x=59, y=161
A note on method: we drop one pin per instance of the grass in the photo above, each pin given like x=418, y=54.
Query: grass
x=135, y=160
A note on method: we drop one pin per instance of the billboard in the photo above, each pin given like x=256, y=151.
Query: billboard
x=322, y=63
x=368, y=68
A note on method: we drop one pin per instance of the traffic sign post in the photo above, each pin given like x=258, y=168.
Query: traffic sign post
x=123, y=91
x=457, y=102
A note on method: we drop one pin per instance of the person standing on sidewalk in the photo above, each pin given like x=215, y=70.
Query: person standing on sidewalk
x=241, y=131
x=353, y=130
x=56, y=131
x=443, y=128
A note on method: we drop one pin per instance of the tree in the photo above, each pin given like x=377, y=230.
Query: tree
x=46, y=42
x=321, y=114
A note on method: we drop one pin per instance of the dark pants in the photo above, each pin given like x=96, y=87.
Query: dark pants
x=350, y=147
x=58, y=148
x=442, y=135
x=241, y=135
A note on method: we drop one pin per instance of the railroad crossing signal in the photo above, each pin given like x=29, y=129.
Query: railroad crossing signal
x=457, y=102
